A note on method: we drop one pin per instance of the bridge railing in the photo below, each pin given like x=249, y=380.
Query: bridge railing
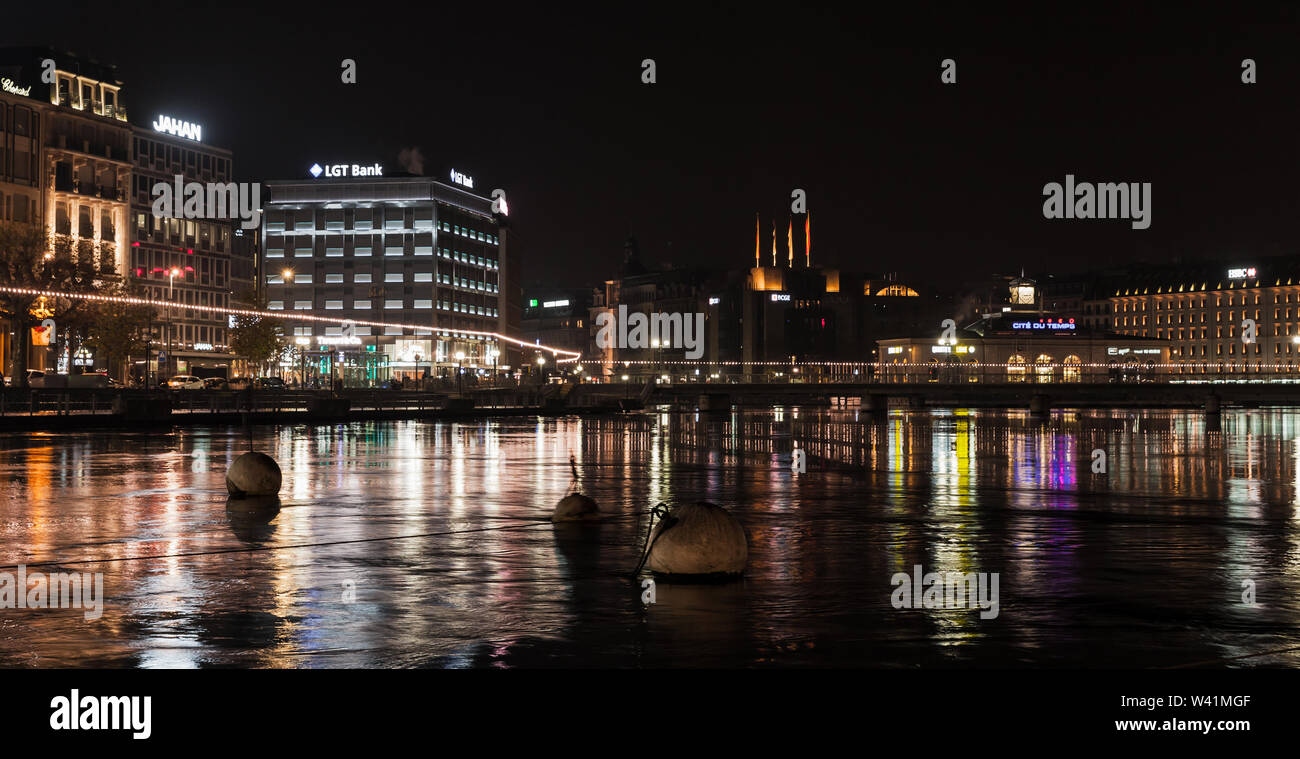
x=947, y=373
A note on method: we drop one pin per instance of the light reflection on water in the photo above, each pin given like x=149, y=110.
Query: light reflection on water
x=442, y=530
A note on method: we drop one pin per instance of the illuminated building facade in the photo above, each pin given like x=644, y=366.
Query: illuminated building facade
x=1022, y=342
x=399, y=249
x=182, y=260
x=1201, y=313
x=22, y=196
x=77, y=185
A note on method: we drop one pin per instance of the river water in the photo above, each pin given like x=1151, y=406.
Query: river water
x=422, y=544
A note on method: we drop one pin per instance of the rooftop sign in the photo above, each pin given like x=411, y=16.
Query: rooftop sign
x=168, y=125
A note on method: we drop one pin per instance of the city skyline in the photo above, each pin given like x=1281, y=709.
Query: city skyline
x=898, y=167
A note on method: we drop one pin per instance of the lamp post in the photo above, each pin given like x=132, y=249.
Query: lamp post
x=171, y=283
x=287, y=276
x=493, y=353
x=541, y=370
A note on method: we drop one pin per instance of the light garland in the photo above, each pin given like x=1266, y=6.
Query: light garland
x=134, y=301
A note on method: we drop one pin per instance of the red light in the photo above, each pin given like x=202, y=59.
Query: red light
x=135, y=245
x=190, y=251
x=189, y=268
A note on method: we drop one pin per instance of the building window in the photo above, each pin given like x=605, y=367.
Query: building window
x=1016, y=369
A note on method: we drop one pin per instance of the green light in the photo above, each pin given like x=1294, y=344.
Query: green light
x=532, y=303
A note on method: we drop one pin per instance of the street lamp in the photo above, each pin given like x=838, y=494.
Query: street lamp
x=172, y=273
x=460, y=372
x=541, y=364
x=492, y=354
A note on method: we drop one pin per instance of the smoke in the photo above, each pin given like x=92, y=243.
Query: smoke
x=967, y=308
x=412, y=161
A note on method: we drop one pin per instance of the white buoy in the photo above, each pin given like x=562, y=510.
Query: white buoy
x=698, y=539
x=253, y=474
x=574, y=507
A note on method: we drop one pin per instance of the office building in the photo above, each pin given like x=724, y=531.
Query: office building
x=427, y=258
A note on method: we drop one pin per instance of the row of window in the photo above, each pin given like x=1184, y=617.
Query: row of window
x=366, y=251
x=392, y=276
x=394, y=304
x=359, y=224
x=178, y=160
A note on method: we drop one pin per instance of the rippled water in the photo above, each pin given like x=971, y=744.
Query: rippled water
x=440, y=531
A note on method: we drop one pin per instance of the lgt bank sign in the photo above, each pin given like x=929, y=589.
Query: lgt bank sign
x=346, y=170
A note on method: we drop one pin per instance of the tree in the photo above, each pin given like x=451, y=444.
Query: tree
x=117, y=331
x=256, y=338
x=31, y=261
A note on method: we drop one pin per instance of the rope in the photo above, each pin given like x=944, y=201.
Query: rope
x=660, y=511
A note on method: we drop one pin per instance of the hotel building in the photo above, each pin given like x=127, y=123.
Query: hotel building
x=183, y=260
x=1200, y=312
x=406, y=250
x=65, y=160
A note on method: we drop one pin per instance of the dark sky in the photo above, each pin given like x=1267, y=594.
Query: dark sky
x=939, y=183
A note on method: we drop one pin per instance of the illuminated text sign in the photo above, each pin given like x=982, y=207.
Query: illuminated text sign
x=347, y=170
x=179, y=128
x=464, y=180
x=1050, y=325
x=9, y=85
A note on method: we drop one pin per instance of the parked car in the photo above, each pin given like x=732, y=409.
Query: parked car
x=238, y=383
x=215, y=383
x=185, y=382
x=270, y=383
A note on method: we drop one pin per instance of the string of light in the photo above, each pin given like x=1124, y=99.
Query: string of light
x=136, y=301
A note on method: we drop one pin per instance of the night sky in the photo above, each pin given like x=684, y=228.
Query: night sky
x=941, y=183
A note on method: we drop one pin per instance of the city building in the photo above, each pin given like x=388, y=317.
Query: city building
x=640, y=290
x=557, y=317
x=1022, y=341
x=764, y=319
x=1236, y=319
x=77, y=185
x=22, y=192
x=182, y=260
x=353, y=244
